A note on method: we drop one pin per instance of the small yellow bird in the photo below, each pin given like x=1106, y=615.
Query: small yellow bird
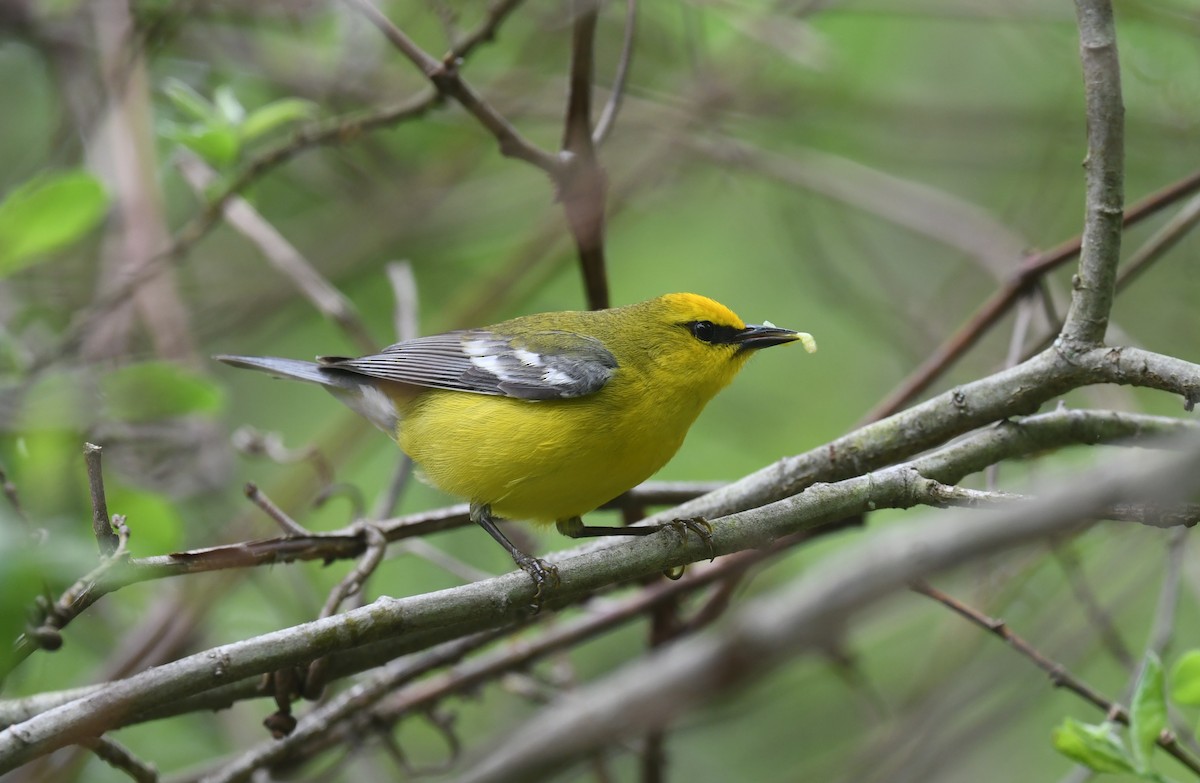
x=546, y=417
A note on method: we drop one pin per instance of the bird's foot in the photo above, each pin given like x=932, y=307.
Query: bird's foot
x=698, y=525
x=543, y=573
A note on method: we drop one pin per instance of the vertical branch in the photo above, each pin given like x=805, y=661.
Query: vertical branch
x=106, y=539
x=582, y=185
x=1092, y=298
x=608, y=115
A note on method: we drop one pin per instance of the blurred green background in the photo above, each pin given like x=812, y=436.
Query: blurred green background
x=864, y=171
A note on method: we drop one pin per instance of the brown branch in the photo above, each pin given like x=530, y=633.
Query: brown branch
x=1101, y=620
x=290, y=527
x=339, y=130
x=121, y=758
x=1059, y=676
x=472, y=674
x=282, y=255
x=106, y=539
x=1162, y=242
x=812, y=611
x=355, y=700
x=608, y=115
x=446, y=80
x=582, y=185
x=1027, y=276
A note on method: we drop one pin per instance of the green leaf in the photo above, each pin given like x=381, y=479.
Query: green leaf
x=158, y=390
x=219, y=146
x=1094, y=746
x=1185, y=679
x=1148, y=712
x=189, y=102
x=48, y=213
x=274, y=115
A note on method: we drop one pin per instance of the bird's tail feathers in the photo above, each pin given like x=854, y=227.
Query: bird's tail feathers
x=294, y=369
x=356, y=391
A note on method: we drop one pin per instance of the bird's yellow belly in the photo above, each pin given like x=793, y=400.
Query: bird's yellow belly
x=542, y=461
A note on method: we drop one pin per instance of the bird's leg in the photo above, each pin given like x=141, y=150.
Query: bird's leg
x=575, y=528
x=539, y=570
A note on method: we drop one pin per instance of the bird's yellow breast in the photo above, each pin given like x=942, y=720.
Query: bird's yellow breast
x=546, y=460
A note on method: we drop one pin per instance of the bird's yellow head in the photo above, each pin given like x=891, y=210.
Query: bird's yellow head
x=702, y=343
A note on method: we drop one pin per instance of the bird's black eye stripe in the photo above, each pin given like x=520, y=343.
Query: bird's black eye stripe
x=708, y=332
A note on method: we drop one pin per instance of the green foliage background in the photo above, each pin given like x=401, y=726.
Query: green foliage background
x=975, y=107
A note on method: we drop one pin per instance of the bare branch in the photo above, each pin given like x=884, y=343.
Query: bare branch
x=811, y=611
x=447, y=81
x=289, y=526
x=106, y=539
x=608, y=115
x=582, y=185
x=1060, y=677
x=1007, y=393
x=946, y=466
x=282, y=255
x=432, y=618
x=1032, y=269
x=121, y=758
x=1091, y=302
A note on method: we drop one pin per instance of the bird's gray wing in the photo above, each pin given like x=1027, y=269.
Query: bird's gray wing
x=541, y=365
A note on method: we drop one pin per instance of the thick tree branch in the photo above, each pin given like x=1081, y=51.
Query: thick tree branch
x=1012, y=392
x=812, y=611
x=420, y=621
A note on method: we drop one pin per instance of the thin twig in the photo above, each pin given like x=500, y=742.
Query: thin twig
x=421, y=548
x=282, y=255
x=1031, y=270
x=106, y=539
x=353, y=582
x=253, y=443
x=314, y=678
x=289, y=526
x=385, y=505
x=1163, y=627
x=13, y=497
x=1110, y=636
x=121, y=758
x=445, y=77
x=1059, y=676
x=353, y=701
x=1163, y=240
x=608, y=115
x=338, y=130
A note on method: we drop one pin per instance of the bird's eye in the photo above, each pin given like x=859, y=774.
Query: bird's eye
x=704, y=331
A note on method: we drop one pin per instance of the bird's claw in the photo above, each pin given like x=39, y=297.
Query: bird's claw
x=698, y=525
x=543, y=573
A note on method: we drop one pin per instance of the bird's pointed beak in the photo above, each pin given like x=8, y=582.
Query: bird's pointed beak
x=756, y=336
